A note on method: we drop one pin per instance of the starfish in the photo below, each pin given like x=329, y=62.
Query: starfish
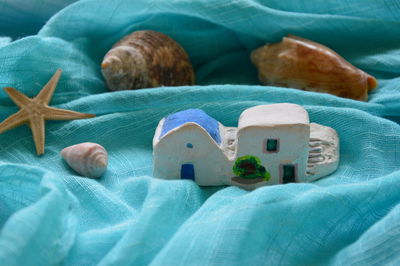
x=35, y=111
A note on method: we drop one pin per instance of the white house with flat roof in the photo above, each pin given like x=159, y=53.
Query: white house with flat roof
x=273, y=144
x=278, y=135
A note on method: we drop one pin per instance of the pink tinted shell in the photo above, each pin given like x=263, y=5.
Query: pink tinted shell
x=87, y=159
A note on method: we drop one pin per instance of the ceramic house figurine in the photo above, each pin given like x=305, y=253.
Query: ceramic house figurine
x=273, y=144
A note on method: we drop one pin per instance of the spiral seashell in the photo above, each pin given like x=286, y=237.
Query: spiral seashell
x=146, y=59
x=87, y=159
x=302, y=64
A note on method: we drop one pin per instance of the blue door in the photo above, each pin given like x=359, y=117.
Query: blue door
x=187, y=171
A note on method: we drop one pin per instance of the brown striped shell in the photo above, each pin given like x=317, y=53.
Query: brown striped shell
x=87, y=159
x=146, y=59
x=302, y=64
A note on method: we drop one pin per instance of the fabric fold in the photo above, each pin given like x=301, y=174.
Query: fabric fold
x=49, y=215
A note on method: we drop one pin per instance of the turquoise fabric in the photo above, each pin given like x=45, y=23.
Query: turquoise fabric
x=51, y=216
x=19, y=18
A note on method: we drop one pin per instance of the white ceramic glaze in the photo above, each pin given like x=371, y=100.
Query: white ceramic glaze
x=309, y=150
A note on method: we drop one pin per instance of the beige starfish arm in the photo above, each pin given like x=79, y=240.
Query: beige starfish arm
x=18, y=97
x=47, y=92
x=52, y=113
x=13, y=121
x=37, y=127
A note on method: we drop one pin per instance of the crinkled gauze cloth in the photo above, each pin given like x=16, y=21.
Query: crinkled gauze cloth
x=51, y=216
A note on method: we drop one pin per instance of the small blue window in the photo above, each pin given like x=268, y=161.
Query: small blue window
x=272, y=145
x=189, y=145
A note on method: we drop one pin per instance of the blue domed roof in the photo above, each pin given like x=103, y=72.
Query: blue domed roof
x=192, y=115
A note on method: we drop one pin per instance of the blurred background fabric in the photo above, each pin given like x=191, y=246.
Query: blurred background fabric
x=19, y=18
x=50, y=216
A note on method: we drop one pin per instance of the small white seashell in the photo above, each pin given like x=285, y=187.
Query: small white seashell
x=87, y=159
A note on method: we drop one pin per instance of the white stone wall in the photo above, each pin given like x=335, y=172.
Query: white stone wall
x=293, y=147
x=211, y=166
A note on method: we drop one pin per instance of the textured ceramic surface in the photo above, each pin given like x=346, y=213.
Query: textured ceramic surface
x=273, y=144
x=302, y=64
x=146, y=59
x=87, y=159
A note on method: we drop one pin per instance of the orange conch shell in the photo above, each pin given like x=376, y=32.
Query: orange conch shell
x=302, y=64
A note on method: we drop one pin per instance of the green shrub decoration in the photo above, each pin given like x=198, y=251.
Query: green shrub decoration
x=249, y=167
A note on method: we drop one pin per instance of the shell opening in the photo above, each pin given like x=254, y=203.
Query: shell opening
x=372, y=83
